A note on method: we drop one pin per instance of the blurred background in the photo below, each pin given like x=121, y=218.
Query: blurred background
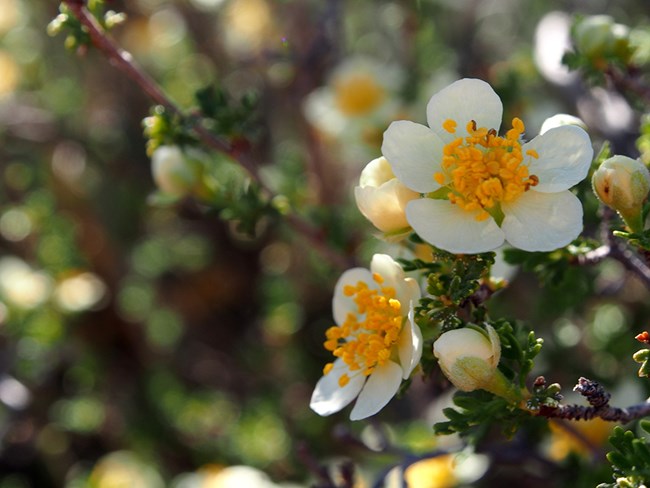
x=150, y=342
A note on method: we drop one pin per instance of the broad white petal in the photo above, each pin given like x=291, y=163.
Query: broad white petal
x=414, y=153
x=381, y=386
x=542, y=221
x=388, y=269
x=565, y=155
x=342, y=305
x=451, y=228
x=463, y=101
x=329, y=397
x=409, y=346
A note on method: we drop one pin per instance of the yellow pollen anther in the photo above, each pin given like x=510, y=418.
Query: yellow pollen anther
x=450, y=126
x=483, y=170
x=367, y=338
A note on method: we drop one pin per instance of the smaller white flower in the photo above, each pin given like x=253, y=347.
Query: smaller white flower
x=381, y=197
x=468, y=357
x=375, y=340
x=359, y=90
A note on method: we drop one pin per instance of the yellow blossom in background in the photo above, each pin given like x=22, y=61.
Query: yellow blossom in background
x=247, y=27
x=10, y=74
x=578, y=437
x=122, y=469
x=437, y=472
x=10, y=15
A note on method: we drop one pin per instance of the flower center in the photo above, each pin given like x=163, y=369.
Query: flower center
x=483, y=169
x=358, y=94
x=364, y=341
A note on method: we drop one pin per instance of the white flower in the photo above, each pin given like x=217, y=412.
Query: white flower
x=359, y=90
x=381, y=197
x=468, y=358
x=375, y=339
x=480, y=189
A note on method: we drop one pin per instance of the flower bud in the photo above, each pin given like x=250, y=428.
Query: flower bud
x=381, y=198
x=469, y=357
x=598, y=35
x=174, y=172
x=559, y=120
x=623, y=183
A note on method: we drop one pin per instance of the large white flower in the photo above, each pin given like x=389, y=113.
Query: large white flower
x=480, y=189
x=375, y=340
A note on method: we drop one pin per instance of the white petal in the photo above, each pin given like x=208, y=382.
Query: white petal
x=342, y=305
x=542, y=221
x=463, y=101
x=496, y=344
x=381, y=386
x=414, y=153
x=388, y=268
x=451, y=228
x=565, y=155
x=329, y=397
x=409, y=347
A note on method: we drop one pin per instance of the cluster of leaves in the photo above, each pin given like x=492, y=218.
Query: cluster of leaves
x=453, y=283
x=236, y=119
x=478, y=411
x=630, y=458
x=78, y=37
x=551, y=267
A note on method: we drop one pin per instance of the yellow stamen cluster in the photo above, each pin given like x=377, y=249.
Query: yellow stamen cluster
x=366, y=338
x=483, y=169
x=358, y=95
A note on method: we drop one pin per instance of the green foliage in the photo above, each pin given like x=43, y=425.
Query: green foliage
x=452, y=280
x=477, y=413
x=551, y=267
x=225, y=116
x=77, y=35
x=519, y=347
x=163, y=128
x=630, y=458
x=643, y=357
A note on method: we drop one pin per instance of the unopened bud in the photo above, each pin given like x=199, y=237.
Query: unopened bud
x=381, y=197
x=597, y=36
x=623, y=183
x=469, y=357
x=559, y=120
x=174, y=172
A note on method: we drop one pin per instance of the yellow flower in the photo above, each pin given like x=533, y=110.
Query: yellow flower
x=578, y=437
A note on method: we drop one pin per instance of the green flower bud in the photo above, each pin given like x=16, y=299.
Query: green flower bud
x=175, y=172
x=599, y=35
x=468, y=357
x=623, y=183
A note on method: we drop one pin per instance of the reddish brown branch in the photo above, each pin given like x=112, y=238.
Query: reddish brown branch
x=123, y=61
x=599, y=406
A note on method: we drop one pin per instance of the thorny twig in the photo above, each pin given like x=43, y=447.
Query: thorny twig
x=599, y=406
